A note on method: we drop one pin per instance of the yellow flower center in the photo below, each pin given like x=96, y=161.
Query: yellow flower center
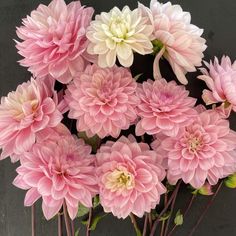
x=119, y=179
x=118, y=28
x=194, y=144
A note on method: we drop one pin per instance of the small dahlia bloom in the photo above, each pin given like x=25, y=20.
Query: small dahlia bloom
x=164, y=107
x=25, y=112
x=176, y=39
x=221, y=80
x=102, y=100
x=204, y=150
x=54, y=40
x=59, y=169
x=129, y=177
x=119, y=34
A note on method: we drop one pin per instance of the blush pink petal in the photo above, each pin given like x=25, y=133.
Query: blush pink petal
x=221, y=80
x=201, y=151
x=182, y=44
x=164, y=107
x=54, y=40
x=59, y=168
x=26, y=112
x=129, y=177
x=103, y=101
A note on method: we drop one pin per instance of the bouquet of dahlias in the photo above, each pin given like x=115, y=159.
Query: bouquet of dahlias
x=90, y=133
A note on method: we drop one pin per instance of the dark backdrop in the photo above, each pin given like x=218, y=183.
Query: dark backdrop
x=217, y=17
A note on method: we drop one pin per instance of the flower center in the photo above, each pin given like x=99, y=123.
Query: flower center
x=119, y=179
x=25, y=108
x=194, y=144
x=118, y=28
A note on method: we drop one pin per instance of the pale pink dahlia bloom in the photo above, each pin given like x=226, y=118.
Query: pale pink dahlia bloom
x=129, y=177
x=176, y=39
x=102, y=100
x=221, y=80
x=119, y=33
x=204, y=150
x=165, y=107
x=54, y=41
x=25, y=112
x=59, y=169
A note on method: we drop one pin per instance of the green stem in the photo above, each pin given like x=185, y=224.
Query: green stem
x=145, y=225
x=162, y=227
x=185, y=212
x=171, y=212
x=150, y=221
x=165, y=209
x=67, y=221
x=134, y=222
x=89, y=222
x=33, y=220
x=206, y=208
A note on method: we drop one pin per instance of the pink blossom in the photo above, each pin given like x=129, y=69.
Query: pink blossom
x=203, y=150
x=176, y=39
x=54, y=39
x=221, y=80
x=102, y=100
x=164, y=107
x=25, y=112
x=59, y=169
x=129, y=177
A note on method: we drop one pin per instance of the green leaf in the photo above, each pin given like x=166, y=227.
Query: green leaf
x=230, y=182
x=82, y=210
x=96, y=201
x=94, y=141
x=96, y=220
x=166, y=216
x=77, y=232
x=179, y=218
x=154, y=214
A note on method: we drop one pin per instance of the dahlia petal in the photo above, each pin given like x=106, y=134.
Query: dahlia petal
x=50, y=211
x=31, y=197
x=44, y=186
x=156, y=66
x=72, y=211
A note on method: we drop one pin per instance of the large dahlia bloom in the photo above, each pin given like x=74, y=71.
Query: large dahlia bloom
x=25, y=112
x=221, y=80
x=176, y=39
x=165, y=107
x=54, y=41
x=102, y=100
x=117, y=34
x=59, y=169
x=129, y=177
x=204, y=150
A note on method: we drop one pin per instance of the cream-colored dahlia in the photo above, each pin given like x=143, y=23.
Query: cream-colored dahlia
x=119, y=33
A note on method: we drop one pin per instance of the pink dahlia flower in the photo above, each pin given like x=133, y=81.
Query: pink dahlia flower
x=221, y=80
x=165, y=107
x=204, y=150
x=54, y=39
x=102, y=100
x=58, y=169
x=25, y=112
x=129, y=177
x=176, y=39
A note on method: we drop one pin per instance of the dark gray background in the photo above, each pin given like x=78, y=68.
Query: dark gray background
x=217, y=17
